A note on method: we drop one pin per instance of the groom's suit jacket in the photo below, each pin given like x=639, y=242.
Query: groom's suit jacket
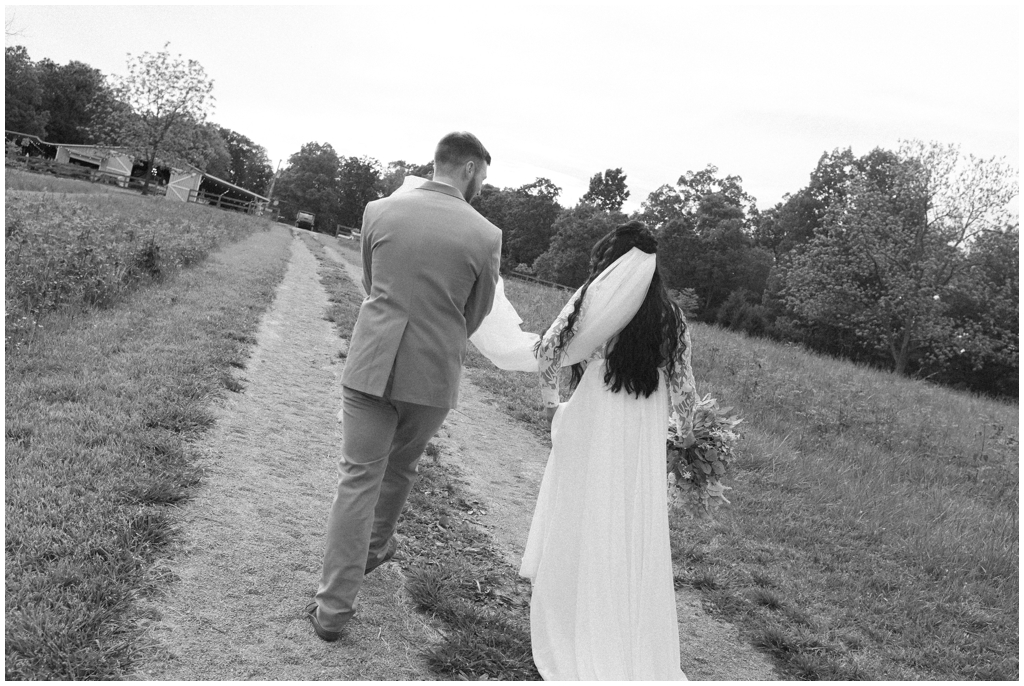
x=430, y=265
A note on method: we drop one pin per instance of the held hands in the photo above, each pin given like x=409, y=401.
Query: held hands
x=549, y=414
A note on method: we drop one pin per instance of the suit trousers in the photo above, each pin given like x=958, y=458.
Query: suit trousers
x=382, y=442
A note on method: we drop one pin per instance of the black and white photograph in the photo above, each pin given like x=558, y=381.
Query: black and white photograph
x=512, y=341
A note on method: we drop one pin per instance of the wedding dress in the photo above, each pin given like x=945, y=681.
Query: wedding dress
x=603, y=601
x=598, y=554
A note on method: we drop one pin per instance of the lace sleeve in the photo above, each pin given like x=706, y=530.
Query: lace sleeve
x=682, y=389
x=549, y=360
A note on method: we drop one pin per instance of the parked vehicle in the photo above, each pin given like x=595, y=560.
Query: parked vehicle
x=304, y=220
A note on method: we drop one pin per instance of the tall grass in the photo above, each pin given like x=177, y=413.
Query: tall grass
x=19, y=180
x=65, y=252
x=101, y=406
x=873, y=531
x=885, y=510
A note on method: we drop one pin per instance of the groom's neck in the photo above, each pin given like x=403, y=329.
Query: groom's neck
x=451, y=181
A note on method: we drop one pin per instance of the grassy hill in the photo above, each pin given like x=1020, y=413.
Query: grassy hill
x=873, y=530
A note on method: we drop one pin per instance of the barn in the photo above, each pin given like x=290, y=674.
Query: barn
x=185, y=183
x=108, y=162
x=194, y=185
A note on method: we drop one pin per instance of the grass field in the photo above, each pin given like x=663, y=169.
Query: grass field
x=873, y=531
x=18, y=180
x=102, y=400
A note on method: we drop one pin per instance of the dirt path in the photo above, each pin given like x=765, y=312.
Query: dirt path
x=253, y=535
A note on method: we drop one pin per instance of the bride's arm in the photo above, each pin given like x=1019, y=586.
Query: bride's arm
x=682, y=389
x=549, y=360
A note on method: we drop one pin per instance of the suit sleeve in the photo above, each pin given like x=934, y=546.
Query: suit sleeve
x=481, y=298
x=366, y=251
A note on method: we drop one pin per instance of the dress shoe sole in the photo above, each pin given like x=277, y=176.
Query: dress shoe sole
x=324, y=634
x=392, y=549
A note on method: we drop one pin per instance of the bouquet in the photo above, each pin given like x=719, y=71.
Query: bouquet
x=700, y=468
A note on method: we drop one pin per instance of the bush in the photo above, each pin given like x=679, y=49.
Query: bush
x=738, y=314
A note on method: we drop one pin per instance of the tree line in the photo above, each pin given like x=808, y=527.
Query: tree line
x=902, y=259
x=158, y=112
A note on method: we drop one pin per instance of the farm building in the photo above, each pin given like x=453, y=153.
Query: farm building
x=96, y=162
x=103, y=159
x=194, y=185
x=28, y=145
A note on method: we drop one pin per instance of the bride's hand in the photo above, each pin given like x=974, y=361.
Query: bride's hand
x=549, y=414
x=689, y=440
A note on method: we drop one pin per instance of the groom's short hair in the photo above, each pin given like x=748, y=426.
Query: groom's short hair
x=459, y=147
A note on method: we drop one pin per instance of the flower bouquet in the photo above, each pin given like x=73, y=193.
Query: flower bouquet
x=700, y=468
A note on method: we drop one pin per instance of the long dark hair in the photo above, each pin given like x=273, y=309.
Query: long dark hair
x=651, y=338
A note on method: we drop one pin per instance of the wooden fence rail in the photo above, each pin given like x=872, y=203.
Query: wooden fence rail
x=44, y=165
x=549, y=284
x=204, y=198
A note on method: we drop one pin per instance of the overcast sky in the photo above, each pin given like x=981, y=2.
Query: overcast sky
x=564, y=90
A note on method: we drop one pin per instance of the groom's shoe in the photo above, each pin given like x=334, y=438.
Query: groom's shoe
x=324, y=634
x=388, y=554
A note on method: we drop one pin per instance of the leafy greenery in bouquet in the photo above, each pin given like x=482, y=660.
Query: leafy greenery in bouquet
x=700, y=468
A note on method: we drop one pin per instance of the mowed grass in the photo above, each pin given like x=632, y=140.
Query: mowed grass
x=102, y=404
x=873, y=530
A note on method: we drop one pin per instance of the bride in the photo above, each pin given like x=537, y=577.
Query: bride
x=603, y=604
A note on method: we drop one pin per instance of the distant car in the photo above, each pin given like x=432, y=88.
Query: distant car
x=346, y=232
x=304, y=220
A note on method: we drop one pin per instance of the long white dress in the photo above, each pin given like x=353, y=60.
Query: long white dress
x=598, y=554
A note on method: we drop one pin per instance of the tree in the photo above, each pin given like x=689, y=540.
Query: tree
x=217, y=156
x=23, y=96
x=525, y=216
x=663, y=205
x=703, y=225
x=800, y=216
x=167, y=101
x=986, y=309
x=712, y=256
x=668, y=202
x=567, y=259
x=359, y=181
x=392, y=177
x=68, y=93
x=695, y=186
x=311, y=183
x=892, y=253
x=607, y=190
x=248, y=165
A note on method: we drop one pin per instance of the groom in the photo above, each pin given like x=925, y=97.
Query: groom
x=430, y=265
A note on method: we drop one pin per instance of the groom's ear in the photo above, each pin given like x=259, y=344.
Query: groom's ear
x=469, y=168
